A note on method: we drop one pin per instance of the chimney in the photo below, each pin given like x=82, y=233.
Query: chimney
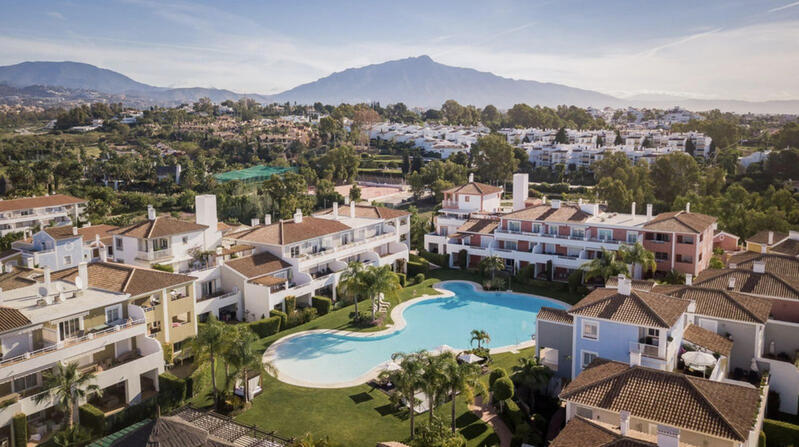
x=764, y=248
x=254, y=222
x=759, y=267
x=521, y=190
x=632, y=209
x=625, y=285
x=150, y=212
x=731, y=283
x=267, y=219
x=83, y=274
x=471, y=177
x=648, y=210
x=103, y=254
x=335, y=210
x=688, y=207
x=689, y=279
x=47, y=276
x=352, y=209
x=298, y=216
x=544, y=200
x=580, y=201
x=74, y=231
x=635, y=358
x=770, y=237
x=668, y=436
x=624, y=422
x=555, y=203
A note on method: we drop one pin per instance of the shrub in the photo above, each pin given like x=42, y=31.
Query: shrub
x=463, y=259
x=773, y=405
x=307, y=314
x=496, y=373
x=436, y=258
x=419, y=278
x=436, y=434
x=172, y=391
x=130, y=415
x=266, y=327
x=92, y=418
x=163, y=268
x=526, y=274
x=780, y=434
x=322, y=304
x=290, y=304
x=415, y=268
x=167, y=348
x=283, y=318
x=761, y=440
x=20, y=423
x=575, y=280
x=513, y=415
x=402, y=278
x=502, y=390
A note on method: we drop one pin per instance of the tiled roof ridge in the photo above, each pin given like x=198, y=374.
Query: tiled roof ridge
x=152, y=226
x=724, y=293
x=727, y=271
x=602, y=380
x=709, y=402
x=647, y=307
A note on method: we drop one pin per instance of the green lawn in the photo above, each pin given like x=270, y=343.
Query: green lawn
x=359, y=416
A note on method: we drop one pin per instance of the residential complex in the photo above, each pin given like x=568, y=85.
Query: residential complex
x=23, y=215
x=66, y=246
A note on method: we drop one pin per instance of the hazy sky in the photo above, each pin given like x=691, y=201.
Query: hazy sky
x=701, y=48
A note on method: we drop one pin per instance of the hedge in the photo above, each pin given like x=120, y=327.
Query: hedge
x=172, y=391
x=418, y=278
x=130, y=415
x=266, y=327
x=780, y=434
x=284, y=318
x=439, y=259
x=761, y=440
x=290, y=304
x=20, y=423
x=513, y=415
x=402, y=279
x=322, y=304
x=92, y=418
x=496, y=373
x=415, y=268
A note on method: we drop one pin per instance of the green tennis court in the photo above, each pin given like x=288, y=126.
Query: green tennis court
x=252, y=174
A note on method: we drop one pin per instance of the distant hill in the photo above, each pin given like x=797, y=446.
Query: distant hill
x=416, y=81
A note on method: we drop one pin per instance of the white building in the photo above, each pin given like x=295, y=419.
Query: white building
x=22, y=215
x=58, y=248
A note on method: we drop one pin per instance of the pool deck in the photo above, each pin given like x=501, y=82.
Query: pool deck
x=399, y=324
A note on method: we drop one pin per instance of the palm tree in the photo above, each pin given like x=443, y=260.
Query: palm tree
x=463, y=378
x=209, y=344
x=637, y=255
x=352, y=282
x=309, y=441
x=244, y=357
x=480, y=336
x=492, y=264
x=433, y=380
x=67, y=386
x=532, y=375
x=381, y=280
x=605, y=266
x=407, y=379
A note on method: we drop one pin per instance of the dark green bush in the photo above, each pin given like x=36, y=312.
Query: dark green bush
x=496, y=374
x=463, y=259
x=414, y=268
x=130, y=415
x=20, y=423
x=402, y=279
x=284, y=318
x=290, y=304
x=308, y=314
x=322, y=304
x=513, y=416
x=780, y=434
x=761, y=440
x=438, y=259
x=163, y=268
x=172, y=391
x=266, y=327
x=419, y=278
x=92, y=418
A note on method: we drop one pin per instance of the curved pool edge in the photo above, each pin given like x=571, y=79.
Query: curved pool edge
x=399, y=324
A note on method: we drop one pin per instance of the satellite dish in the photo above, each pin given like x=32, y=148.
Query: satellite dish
x=79, y=282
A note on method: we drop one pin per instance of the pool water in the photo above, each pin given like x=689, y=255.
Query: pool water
x=328, y=359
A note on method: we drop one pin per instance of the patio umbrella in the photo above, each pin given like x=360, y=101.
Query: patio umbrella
x=469, y=358
x=699, y=359
x=391, y=366
x=442, y=349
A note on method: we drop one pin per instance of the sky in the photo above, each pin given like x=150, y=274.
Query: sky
x=728, y=49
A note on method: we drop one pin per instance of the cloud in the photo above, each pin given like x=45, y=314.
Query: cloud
x=780, y=8
x=55, y=15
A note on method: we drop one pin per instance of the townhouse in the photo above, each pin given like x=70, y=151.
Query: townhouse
x=23, y=215
x=46, y=319
x=774, y=242
x=614, y=403
x=66, y=246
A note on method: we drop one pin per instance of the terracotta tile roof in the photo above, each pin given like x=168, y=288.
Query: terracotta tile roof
x=788, y=247
x=366, y=212
x=19, y=277
x=257, y=265
x=238, y=248
x=86, y=233
x=474, y=188
x=761, y=237
x=480, y=226
x=38, y=202
x=555, y=315
x=580, y=432
x=639, y=308
x=639, y=284
x=159, y=227
x=747, y=281
x=565, y=213
x=778, y=264
x=680, y=222
x=715, y=408
x=707, y=339
x=11, y=319
x=287, y=231
x=721, y=303
x=124, y=278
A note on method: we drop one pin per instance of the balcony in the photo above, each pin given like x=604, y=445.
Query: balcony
x=157, y=255
x=647, y=350
x=341, y=250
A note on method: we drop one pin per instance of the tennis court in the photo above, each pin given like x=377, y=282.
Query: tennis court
x=252, y=174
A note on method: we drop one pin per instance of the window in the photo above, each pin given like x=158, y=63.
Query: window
x=661, y=256
x=578, y=233
x=536, y=228
x=685, y=259
x=658, y=237
x=24, y=382
x=553, y=229
x=69, y=328
x=113, y=313
x=185, y=240
x=510, y=245
x=591, y=330
x=632, y=237
x=466, y=198
x=67, y=260
x=207, y=288
x=295, y=251
x=515, y=226
x=685, y=239
x=588, y=357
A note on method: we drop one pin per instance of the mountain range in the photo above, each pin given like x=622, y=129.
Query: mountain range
x=416, y=81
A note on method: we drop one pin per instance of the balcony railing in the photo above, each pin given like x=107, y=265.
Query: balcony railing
x=220, y=295
x=347, y=246
x=70, y=342
x=646, y=350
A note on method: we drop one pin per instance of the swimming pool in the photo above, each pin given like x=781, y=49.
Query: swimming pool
x=331, y=359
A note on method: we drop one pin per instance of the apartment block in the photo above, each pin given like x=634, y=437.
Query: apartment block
x=23, y=215
x=58, y=248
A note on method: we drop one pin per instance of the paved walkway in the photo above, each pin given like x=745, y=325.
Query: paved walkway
x=487, y=414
